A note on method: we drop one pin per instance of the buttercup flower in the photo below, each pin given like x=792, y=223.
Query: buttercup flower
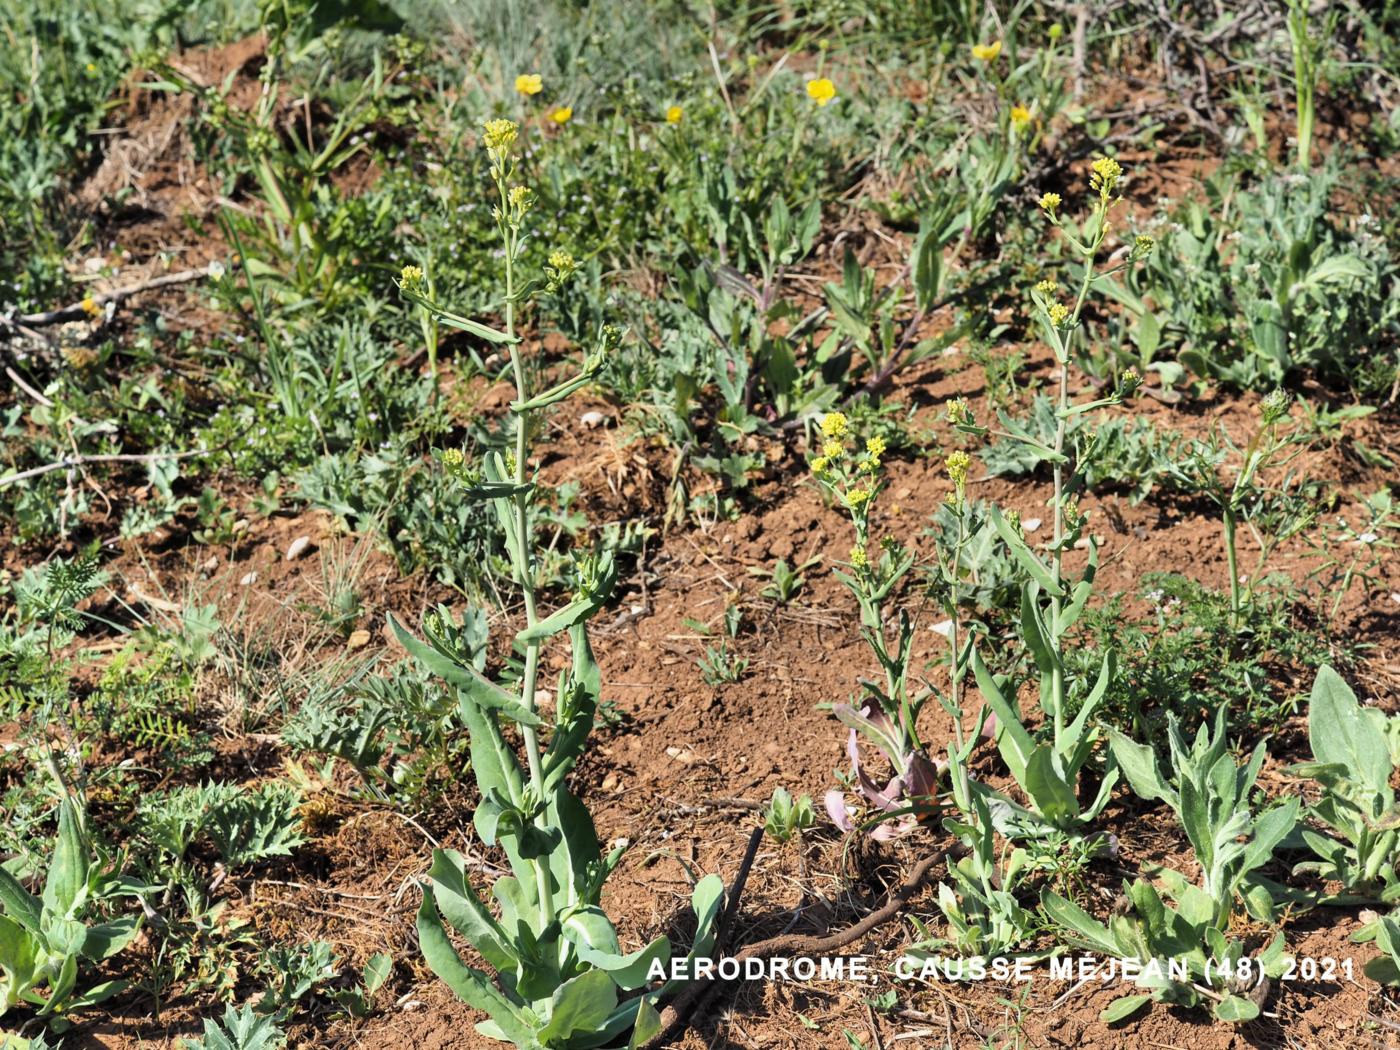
x=90, y=307
x=561, y=114
x=674, y=114
x=834, y=424
x=986, y=52
x=1020, y=116
x=821, y=91
x=529, y=84
x=499, y=134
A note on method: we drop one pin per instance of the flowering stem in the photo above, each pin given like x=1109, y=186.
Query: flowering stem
x=525, y=571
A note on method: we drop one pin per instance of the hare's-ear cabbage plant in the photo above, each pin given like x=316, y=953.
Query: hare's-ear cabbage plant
x=888, y=713
x=44, y=940
x=562, y=980
x=1353, y=763
x=1048, y=770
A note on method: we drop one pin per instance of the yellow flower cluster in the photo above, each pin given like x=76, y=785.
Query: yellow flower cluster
x=1047, y=287
x=835, y=425
x=959, y=412
x=1050, y=201
x=831, y=449
x=1059, y=314
x=858, y=558
x=821, y=91
x=858, y=498
x=1104, y=174
x=958, y=464
x=499, y=134
x=411, y=276
x=452, y=457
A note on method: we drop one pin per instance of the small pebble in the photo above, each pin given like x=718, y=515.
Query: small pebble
x=248, y=580
x=299, y=546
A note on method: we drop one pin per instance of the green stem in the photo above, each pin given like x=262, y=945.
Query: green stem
x=525, y=570
x=1236, y=601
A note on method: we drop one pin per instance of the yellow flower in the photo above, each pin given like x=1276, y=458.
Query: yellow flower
x=499, y=134
x=959, y=412
x=1047, y=287
x=1056, y=31
x=1020, y=116
x=409, y=276
x=875, y=446
x=1050, y=201
x=529, y=84
x=519, y=197
x=1104, y=174
x=819, y=465
x=858, y=558
x=561, y=114
x=832, y=449
x=674, y=114
x=452, y=457
x=958, y=464
x=90, y=307
x=834, y=424
x=857, y=498
x=1059, y=314
x=821, y=91
x=986, y=52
